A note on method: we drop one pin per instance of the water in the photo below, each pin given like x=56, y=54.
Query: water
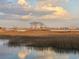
x=22, y=52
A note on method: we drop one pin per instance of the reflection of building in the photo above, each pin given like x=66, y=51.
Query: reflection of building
x=37, y=25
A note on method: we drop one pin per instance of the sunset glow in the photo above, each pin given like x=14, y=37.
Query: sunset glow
x=22, y=12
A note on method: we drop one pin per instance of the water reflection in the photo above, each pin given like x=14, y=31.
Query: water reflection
x=44, y=54
x=22, y=52
x=49, y=53
x=4, y=42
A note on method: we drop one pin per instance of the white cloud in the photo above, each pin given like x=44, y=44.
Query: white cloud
x=24, y=4
x=46, y=9
x=57, y=12
x=27, y=17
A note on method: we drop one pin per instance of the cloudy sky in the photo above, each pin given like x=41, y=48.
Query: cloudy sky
x=53, y=13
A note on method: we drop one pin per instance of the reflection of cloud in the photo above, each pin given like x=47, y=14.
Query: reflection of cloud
x=62, y=56
x=49, y=54
x=46, y=54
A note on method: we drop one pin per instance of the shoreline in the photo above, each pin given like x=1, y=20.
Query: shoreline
x=54, y=39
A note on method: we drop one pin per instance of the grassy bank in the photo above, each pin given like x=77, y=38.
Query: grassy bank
x=54, y=41
x=58, y=39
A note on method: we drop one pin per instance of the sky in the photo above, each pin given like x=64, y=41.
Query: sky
x=53, y=13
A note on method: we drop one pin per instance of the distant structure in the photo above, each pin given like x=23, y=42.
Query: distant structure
x=73, y=28
x=37, y=25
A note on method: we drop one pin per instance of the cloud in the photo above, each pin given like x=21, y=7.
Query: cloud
x=15, y=16
x=24, y=4
x=54, y=17
x=2, y=1
x=44, y=6
x=11, y=8
x=27, y=17
x=45, y=9
x=53, y=11
x=1, y=13
x=67, y=0
x=9, y=16
x=63, y=0
x=59, y=11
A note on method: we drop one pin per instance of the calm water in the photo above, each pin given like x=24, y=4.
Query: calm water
x=22, y=52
